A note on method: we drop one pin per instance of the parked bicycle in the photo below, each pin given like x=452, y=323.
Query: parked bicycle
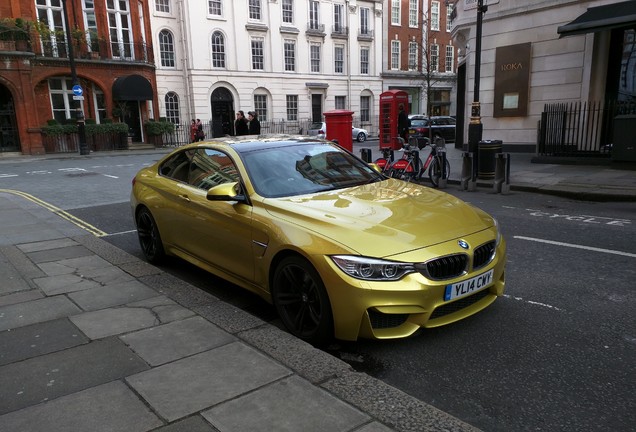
x=384, y=162
x=411, y=167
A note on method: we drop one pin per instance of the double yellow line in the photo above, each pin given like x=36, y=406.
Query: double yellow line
x=58, y=211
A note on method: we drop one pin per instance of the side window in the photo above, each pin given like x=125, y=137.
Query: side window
x=210, y=168
x=177, y=166
x=451, y=121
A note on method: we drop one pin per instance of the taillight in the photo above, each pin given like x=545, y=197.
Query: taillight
x=134, y=180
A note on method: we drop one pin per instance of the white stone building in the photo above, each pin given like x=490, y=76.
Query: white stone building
x=534, y=55
x=288, y=60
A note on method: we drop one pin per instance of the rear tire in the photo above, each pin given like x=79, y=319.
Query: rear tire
x=362, y=137
x=149, y=237
x=301, y=300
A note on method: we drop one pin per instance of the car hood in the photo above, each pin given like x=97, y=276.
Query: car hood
x=383, y=218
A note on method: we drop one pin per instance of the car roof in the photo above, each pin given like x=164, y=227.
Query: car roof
x=251, y=142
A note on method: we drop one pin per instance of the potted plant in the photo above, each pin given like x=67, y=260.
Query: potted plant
x=7, y=34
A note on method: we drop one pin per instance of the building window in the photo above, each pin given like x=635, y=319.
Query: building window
x=413, y=56
x=434, y=58
x=449, y=20
x=162, y=6
x=172, y=107
x=364, y=21
x=314, y=17
x=52, y=17
x=413, y=10
x=61, y=93
x=338, y=17
x=395, y=11
x=257, y=54
x=90, y=24
x=166, y=49
x=341, y=102
x=338, y=66
x=99, y=104
x=292, y=107
x=435, y=16
x=119, y=27
x=260, y=106
x=395, y=55
x=450, y=58
x=365, y=105
x=364, y=61
x=290, y=55
x=215, y=7
x=314, y=53
x=288, y=11
x=218, y=50
x=255, y=10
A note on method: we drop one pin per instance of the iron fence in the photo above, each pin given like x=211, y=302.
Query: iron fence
x=579, y=128
x=69, y=143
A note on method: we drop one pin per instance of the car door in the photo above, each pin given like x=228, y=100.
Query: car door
x=216, y=232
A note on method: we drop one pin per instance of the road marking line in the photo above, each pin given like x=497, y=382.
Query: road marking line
x=533, y=302
x=120, y=233
x=8, y=175
x=590, y=248
x=58, y=211
x=111, y=176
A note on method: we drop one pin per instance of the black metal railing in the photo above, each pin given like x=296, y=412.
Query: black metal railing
x=579, y=128
x=69, y=143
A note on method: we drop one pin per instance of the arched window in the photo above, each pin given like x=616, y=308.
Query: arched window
x=166, y=48
x=172, y=107
x=218, y=50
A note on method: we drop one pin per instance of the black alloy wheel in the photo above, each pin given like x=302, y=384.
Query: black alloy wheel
x=302, y=301
x=149, y=238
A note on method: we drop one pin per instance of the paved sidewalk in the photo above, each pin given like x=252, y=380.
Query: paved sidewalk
x=583, y=182
x=94, y=339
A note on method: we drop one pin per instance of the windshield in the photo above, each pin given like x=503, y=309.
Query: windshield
x=305, y=168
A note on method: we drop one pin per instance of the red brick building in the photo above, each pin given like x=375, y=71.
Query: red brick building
x=419, y=56
x=113, y=57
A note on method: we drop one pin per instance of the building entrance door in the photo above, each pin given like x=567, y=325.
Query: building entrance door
x=9, y=137
x=316, y=107
x=222, y=104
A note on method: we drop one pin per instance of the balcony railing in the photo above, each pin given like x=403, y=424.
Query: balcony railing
x=314, y=27
x=339, y=30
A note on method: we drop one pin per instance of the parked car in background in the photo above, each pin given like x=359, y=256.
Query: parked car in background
x=441, y=126
x=319, y=129
x=339, y=249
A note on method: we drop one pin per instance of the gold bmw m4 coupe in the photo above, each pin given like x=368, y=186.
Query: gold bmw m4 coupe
x=339, y=249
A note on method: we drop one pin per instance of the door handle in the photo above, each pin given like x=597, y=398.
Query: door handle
x=185, y=198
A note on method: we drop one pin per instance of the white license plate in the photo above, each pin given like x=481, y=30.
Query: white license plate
x=468, y=286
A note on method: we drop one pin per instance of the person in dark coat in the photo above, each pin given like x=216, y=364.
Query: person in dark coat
x=403, y=124
x=240, y=124
x=255, y=124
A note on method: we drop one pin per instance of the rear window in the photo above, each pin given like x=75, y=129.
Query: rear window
x=315, y=126
x=418, y=123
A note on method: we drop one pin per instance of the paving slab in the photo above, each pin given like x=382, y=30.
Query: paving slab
x=31, y=312
x=181, y=388
x=77, y=265
x=38, y=339
x=64, y=283
x=47, y=245
x=21, y=263
x=289, y=405
x=50, y=376
x=20, y=297
x=190, y=424
x=59, y=254
x=12, y=281
x=165, y=309
x=106, y=408
x=112, y=295
x=114, y=321
x=172, y=341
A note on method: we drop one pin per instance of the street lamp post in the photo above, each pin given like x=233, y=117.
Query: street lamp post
x=475, y=127
x=79, y=113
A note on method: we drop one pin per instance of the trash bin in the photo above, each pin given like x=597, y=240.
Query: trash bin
x=486, y=155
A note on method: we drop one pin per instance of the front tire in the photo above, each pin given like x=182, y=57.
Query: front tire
x=149, y=237
x=301, y=300
x=362, y=137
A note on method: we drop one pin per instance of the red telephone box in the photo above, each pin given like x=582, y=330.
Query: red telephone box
x=390, y=102
x=339, y=124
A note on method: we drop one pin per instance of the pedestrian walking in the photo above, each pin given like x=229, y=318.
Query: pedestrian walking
x=254, y=124
x=200, y=133
x=193, y=131
x=240, y=124
x=403, y=124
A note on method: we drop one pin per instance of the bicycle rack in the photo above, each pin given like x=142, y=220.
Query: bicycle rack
x=441, y=183
x=502, y=174
x=468, y=179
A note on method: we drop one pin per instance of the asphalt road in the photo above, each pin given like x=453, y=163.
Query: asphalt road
x=556, y=353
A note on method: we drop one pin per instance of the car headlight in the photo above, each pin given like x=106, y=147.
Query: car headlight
x=498, y=232
x=372, y=269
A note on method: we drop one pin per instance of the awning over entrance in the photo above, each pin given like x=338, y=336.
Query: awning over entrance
x=601, y=18
x=132, y=87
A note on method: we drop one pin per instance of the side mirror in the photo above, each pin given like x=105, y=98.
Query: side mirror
x=375, y=167
x=225, y=192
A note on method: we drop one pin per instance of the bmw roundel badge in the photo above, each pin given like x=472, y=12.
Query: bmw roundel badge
x=462, y=244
